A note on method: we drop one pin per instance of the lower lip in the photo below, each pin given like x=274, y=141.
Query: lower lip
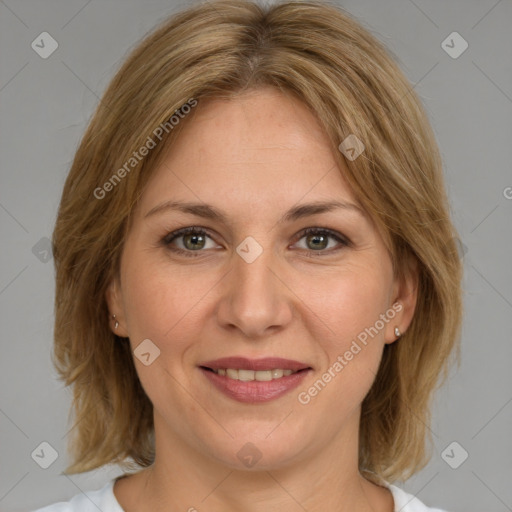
x=255, y=391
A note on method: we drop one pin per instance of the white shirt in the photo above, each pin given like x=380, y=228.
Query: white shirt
x=105, y=500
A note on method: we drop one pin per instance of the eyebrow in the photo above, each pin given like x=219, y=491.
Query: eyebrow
x=208, y=211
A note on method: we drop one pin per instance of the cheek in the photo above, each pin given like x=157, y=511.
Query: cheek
x=352, y=305
x=162, y=302
x=148, y=304
x=351, y=301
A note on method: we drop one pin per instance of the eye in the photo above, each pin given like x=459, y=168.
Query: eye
x=317, y=239
x=191, y=241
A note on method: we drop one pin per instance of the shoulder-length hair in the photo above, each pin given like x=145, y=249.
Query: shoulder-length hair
x=219, y=49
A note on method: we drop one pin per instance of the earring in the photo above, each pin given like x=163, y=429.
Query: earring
x=116, y=325
x=397, y=332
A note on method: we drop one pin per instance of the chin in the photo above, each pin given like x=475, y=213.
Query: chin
x=258, y=453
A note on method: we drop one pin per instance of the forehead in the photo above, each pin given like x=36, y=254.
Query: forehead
x=259, y=148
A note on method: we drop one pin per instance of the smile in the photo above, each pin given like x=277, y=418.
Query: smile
x=248, y=375
x=254, y=380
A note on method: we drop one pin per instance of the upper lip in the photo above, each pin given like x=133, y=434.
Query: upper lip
x=264, y=363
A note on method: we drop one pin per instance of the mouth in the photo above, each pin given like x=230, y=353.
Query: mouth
x=250, y=375
x=254, y=380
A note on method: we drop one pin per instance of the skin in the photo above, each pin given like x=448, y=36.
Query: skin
x=254, y=157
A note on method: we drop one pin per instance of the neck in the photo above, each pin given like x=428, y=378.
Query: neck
x=326, y=480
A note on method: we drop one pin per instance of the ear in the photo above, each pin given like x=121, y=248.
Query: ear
x=113, y=296
x=404, y=299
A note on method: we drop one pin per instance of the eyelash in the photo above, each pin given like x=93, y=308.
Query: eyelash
x=168, y=239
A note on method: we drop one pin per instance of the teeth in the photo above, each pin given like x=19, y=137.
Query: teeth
x=277, y=374
x=232, y=374
x=245, y=374
x=249, y=375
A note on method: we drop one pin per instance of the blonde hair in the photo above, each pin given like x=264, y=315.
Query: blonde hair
x=349, y=81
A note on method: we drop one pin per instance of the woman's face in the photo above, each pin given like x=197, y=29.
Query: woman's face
x=251, y=284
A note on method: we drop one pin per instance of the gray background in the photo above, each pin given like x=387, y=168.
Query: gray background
x=44, y=108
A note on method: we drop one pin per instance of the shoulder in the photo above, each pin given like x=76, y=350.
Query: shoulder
x=405, y=502
x=88, y=501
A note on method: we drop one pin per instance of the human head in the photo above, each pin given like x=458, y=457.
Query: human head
x=348, y=80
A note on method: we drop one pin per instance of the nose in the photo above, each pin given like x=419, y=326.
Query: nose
x=255, y=299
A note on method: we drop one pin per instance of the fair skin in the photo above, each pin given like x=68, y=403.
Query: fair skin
x=254, y=157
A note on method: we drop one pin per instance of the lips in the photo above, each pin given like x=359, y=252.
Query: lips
x=254, y=380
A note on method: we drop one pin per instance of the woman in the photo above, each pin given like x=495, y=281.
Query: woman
x=258, y=283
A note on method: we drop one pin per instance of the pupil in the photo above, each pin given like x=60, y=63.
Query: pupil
x=193, y=239
x=316, y=237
